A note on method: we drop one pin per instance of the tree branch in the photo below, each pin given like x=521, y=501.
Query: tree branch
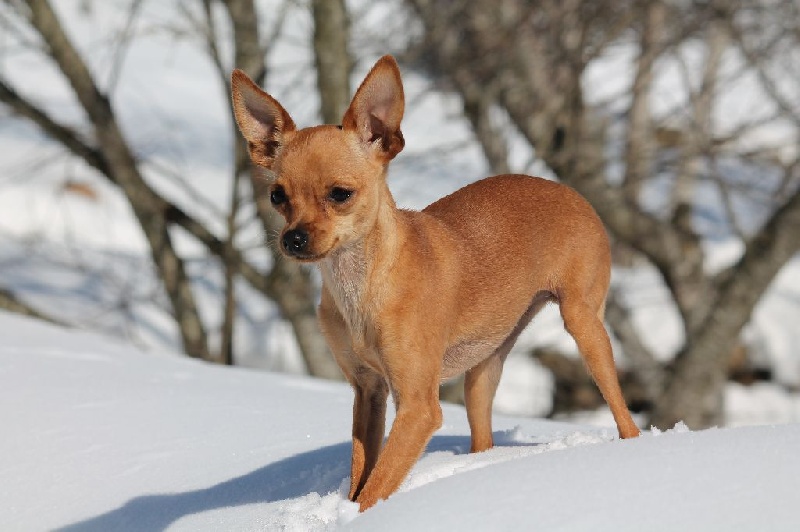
x=67, y=137
x=639, y=149
x=123, y=171
x=699, y=368
x=70, y=139
x=10, y=302
x=742, y=284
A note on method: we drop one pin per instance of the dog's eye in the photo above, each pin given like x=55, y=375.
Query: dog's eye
x=277, y=196
x=339, y=194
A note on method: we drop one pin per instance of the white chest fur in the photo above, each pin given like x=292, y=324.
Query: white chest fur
x=344, y=273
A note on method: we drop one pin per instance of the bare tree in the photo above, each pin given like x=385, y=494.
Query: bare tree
x=109, y=153
x=529, y=59
x=114, y=158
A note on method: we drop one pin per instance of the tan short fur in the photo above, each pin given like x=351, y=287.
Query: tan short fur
x=410, y=298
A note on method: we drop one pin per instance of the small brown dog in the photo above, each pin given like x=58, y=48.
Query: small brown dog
x=411, y=298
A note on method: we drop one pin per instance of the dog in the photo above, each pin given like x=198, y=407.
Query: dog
x=412, y=298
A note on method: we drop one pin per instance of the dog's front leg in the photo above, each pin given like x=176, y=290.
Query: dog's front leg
x=371, y=390
x=415, y=390
x=369, y=421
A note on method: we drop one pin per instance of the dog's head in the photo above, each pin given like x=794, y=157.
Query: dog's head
x=329, y=180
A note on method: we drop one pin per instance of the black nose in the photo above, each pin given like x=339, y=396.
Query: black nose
x=295, y=241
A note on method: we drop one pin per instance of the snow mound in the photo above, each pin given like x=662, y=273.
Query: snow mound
x=98, y=436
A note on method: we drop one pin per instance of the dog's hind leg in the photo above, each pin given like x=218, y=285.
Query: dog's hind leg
x=584, y=322
x=480, y=382
x=480, y=385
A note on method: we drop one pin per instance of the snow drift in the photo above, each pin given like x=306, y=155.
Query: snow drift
x=98, y=436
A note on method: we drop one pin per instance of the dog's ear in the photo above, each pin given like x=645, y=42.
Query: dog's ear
x=377, y=108
x=261, y=119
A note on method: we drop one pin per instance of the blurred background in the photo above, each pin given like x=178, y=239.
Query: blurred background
x=128, y=205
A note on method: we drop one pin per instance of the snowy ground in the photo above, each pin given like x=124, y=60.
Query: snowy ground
x=98, y=436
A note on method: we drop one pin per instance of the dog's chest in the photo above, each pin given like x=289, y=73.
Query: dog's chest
x=344, y=274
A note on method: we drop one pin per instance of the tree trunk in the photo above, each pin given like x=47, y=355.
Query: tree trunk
x=289, y=284
x=695, y=389
x=332, y=59
x=148, y=208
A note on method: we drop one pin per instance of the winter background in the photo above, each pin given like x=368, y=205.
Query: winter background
x=113, y=430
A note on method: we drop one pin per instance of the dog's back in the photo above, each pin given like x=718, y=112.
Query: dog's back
x=524, y=238
x=494, y=212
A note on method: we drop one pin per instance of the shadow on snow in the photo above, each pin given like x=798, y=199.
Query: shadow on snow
x=321, y=470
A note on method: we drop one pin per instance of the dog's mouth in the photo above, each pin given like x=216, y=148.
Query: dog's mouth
x=307, y=256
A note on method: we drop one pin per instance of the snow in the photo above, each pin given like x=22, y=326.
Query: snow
x=99, y=436
x=676, y=481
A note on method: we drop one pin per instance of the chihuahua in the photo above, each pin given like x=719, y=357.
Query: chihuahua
x=412, y=298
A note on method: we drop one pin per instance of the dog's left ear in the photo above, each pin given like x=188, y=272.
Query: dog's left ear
x=377, y=109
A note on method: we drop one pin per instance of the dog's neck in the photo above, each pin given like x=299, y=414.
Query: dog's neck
x=356, y=274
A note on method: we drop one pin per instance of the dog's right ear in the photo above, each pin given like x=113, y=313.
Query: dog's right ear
x=261, y=119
